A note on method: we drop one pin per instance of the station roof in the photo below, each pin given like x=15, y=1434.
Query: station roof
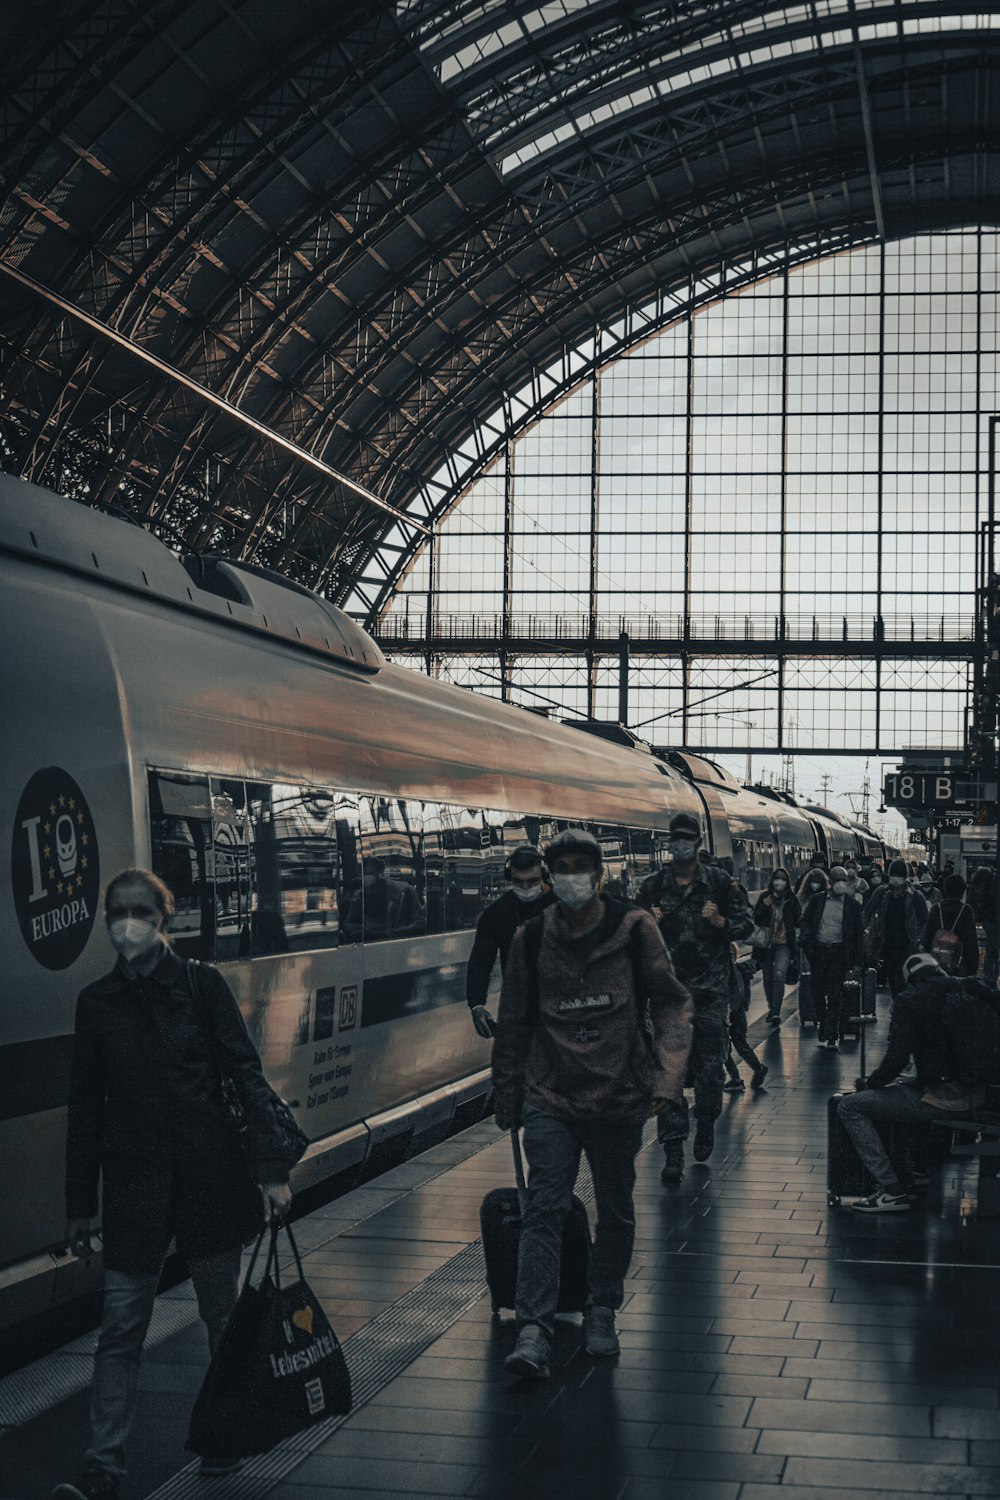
x=264, y=268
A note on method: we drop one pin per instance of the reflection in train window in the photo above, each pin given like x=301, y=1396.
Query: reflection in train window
x=390, y=900
x=230, y=858
x=456, y=849
x=646, y=852
x=614, y=848
x=295, y=859
x=180, y=815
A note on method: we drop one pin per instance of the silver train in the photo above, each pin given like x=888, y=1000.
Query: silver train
x=331, y=824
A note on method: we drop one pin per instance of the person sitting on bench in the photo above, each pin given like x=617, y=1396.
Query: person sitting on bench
x=945, y=1028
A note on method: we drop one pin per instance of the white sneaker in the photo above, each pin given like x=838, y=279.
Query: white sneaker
x=883, y=1203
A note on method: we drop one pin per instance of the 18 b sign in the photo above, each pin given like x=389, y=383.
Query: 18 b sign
x=919, y=789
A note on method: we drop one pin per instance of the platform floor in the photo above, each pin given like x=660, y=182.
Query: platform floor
x=773, y=1348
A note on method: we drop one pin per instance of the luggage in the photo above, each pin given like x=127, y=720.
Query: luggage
x=807, y=1011
x=278, y=1369
x=869, y=991
x=857, y=999
x=846, y=1177
x=500, y=1227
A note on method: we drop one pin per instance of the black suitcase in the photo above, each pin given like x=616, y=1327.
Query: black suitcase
x=857, y=999
x=807, y=1011
x=500, y=1227
x=869, y=991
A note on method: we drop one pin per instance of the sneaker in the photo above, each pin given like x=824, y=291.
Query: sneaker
x=704, y=1140
x=673, y=1161
x=883, y=1203
x=760, y=1072
x=734, y=1086
x=530, y=1358
x=832, y=1044
x=214, y=1465
x=94, y=1483
x=599, y=1336
x=772, y=1018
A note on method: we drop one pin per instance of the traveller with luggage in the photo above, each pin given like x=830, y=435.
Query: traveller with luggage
x=776, y=921
x=592, y=1038
x=895, y=918
x=702, y=910
x=951, y=1031
x=950, y=933
x=830, y=932
x=149, y=1120
x=528, y=895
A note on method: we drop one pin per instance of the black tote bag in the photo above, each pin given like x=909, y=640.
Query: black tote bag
x=279, y=1367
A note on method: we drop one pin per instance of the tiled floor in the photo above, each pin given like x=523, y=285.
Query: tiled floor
x=772, y=1346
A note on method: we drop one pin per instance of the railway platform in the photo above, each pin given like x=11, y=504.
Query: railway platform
x=773, y=1347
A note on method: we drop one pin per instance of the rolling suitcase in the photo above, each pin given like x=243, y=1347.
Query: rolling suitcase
x=857, y=1000
x=500, y=1227
x=807, y=1011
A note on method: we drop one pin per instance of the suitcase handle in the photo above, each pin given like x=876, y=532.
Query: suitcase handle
x=522, y=1187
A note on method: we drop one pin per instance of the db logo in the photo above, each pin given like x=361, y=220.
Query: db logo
x=348, y=1007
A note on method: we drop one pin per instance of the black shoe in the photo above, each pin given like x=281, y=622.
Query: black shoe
x=760, y=1072
x=214, y=1465
x=734, y=1086
x=673, y=1162
x=94, y=1483
x=772, y=1018
x=704, y=1140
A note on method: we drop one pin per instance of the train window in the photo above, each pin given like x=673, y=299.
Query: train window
x=230, y=860
x=390, y=902
x=456, y=852
x=614, y=849
x=180, y=817
x=646, y=852
x=294, y=847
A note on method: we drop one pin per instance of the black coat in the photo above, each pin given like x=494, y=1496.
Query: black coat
x=790, y=913
x=852, y=929
x=146, y=1113
x=494, y=934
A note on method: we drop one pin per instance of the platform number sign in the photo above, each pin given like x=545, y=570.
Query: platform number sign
x=925, y=789
x=55, y=870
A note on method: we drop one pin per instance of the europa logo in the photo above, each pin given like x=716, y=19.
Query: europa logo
x=55, y=872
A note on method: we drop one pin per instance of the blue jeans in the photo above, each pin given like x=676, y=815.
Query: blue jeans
x=128, y=1307
x=553, y=1148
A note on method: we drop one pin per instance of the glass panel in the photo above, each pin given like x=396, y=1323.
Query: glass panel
x=392, y=901
x=180, y=817
x=231, y=862
x=295, y=849
x=456, y=846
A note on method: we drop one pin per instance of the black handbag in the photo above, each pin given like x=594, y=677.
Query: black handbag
x=287, y=1140
x=279, y=1367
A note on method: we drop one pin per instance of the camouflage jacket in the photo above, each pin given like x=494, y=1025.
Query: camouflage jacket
x=700, y=951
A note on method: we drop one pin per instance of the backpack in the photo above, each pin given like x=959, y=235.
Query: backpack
x=946, y=945
x=533, y=930
x=972, y=1036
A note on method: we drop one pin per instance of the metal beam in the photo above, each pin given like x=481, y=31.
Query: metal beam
x=170, y=372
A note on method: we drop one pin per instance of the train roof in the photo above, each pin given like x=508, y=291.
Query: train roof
x=46, y=528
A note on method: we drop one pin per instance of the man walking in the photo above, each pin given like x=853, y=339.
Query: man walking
x=528, y=897
x=593, y=1034
x=702, y=910
x=830, y=933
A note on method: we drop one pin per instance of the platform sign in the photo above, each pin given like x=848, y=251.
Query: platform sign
x=924, y=789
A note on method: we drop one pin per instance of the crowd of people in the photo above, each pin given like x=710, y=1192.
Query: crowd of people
x=610, y=1008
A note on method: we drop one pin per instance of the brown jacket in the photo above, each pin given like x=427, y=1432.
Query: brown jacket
x=583, y=1054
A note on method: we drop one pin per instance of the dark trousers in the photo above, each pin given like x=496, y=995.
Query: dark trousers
x=894, y=969
x=553, y=1150
x=828, y=970
x=705, y=1073
x=738, y=1042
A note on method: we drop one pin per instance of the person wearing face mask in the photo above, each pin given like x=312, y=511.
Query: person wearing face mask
x=831, y=934
x=856, y=885
x=777, y=910
x=528, y=896
x=147, y=1121
x=931, y=892
x=593, y=1034
x=895, y=918
x=702, y=910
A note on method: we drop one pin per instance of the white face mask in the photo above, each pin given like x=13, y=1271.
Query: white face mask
x=897, y=882
x=527, y=892
x=575, y=891
x=839, y=887
x=133, y=936
x=779, y=885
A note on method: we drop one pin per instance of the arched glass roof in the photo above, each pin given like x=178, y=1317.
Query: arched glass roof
x=266, y=271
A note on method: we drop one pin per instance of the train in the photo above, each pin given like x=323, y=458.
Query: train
x=331, y=824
